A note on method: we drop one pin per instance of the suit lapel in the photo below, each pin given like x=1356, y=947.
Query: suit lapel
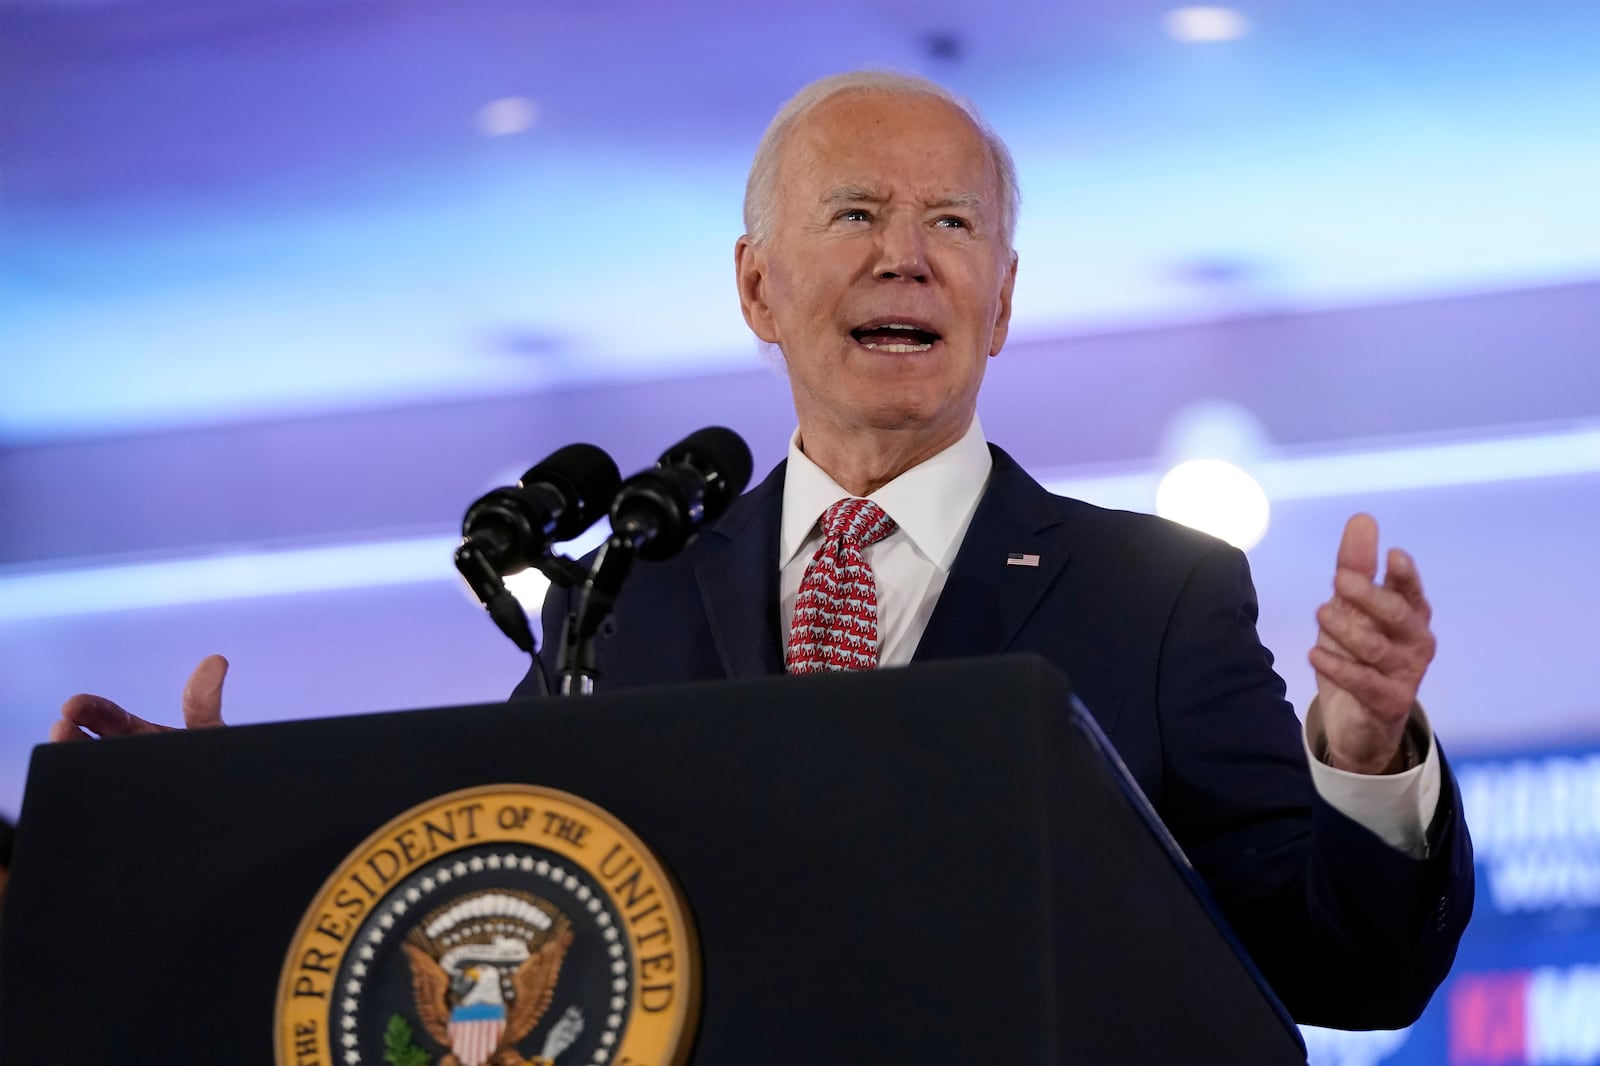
x=983, y=606
x=737, y=572
x=986, y=601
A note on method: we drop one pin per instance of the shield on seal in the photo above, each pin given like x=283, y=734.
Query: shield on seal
x=475, y=1029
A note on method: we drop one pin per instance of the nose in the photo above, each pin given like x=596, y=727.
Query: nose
x=902, y=254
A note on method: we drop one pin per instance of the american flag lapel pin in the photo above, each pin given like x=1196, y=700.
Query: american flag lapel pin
x=1019, y=559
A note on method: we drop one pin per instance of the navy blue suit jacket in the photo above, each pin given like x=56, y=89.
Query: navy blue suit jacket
x=1155, y=626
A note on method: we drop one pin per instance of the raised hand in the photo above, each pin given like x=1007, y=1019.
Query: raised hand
x=84, y=717
x=1373, y=646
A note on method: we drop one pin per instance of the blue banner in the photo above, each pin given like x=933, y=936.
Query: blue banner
x=1525, y=990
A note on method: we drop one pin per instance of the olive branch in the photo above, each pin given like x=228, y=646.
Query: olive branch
x=398, y=1048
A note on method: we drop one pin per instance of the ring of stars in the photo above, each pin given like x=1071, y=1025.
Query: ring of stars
x=385, y=919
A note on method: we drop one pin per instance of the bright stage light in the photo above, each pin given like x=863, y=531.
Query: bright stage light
x=1208, y=447
x=1206, y=25
x=529, y=587
x=1215, y=497
x=507, y=115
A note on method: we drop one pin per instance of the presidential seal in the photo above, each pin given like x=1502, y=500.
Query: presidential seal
x=507, y=925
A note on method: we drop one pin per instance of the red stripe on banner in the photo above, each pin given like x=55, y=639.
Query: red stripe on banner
x=1488, y=1019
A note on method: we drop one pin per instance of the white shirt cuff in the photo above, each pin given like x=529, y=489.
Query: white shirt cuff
x=1397, y=807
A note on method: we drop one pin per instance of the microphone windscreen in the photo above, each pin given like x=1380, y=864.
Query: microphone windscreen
x=721, y=456
x=586, y=478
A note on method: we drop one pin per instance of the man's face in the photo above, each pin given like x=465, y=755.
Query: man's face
x=887, y=217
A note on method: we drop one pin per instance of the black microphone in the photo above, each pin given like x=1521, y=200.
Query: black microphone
x=556, y=500
x=510, y=529
x=659, y=510
x=655, y=513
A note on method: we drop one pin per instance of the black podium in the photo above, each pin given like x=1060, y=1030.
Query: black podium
x=944, y=863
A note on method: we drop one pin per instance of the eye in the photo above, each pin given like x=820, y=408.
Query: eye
x=951, y=222
x=854, y=214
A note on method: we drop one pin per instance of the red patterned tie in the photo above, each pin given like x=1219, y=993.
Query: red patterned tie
x=836, y=614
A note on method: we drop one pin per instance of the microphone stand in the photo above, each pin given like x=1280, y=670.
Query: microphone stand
x=502, y=606
x=590, y=616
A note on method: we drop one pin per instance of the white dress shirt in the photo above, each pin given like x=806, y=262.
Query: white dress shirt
x=932, y=505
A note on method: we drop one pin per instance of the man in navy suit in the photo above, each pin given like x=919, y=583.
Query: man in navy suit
x=878, y=260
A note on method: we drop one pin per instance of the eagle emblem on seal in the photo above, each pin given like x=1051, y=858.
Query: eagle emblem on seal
x=484, y=969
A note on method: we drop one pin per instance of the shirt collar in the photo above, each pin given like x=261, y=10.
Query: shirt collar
x=931, y=503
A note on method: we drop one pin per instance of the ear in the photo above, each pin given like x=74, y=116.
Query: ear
x=1002, y=320
x=750, y=273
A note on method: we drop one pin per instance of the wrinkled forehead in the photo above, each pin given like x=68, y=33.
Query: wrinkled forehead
x=917, y=148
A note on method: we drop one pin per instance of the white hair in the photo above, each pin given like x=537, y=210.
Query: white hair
x=760, y=191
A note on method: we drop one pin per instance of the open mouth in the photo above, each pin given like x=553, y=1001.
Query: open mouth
x=899, y=337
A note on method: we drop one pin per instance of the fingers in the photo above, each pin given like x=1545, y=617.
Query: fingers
x=1403, y=649
x=1390, y=609
x=1400, y=598
x=1389, y=696
x=202, y=695
x=99, y=716
x=63, y=730
x=1404, y=577
x=1374, y=641
x=84, y=716
x=1358, y=548
x=1377, y=625
x=1345, y=631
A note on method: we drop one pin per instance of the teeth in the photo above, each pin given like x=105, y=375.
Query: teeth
x=902, y=348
